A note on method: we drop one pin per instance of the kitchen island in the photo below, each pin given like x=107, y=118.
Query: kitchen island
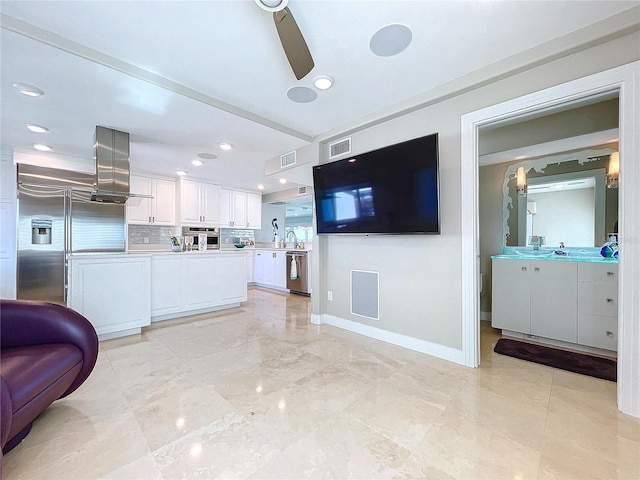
x=122, y=292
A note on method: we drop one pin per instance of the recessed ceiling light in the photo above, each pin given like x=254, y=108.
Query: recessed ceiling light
x=197, y=162
x=323, y=82
x=28, y=90
x=42, y=148
x=272, y=5
x=390, y=40
x=260, y=187
x=283, y=181
x=225, y=146
x=301, y=94
x=37, y=128
x=181, y=172
x=207, y=156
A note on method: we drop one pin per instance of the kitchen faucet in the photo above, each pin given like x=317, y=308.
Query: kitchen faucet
x=295, y=238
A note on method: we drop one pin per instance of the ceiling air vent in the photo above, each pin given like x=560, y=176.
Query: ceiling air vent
x=288, y=159
x=339, y=147
x=302, y=190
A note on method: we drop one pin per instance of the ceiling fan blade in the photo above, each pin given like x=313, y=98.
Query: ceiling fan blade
x=295, y=47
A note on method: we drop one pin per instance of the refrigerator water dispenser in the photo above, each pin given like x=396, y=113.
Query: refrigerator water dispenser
x=41, y=232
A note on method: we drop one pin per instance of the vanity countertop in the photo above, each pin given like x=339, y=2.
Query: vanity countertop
x=556, y=258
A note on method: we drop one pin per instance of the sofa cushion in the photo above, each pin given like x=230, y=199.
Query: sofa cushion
x=28, y=371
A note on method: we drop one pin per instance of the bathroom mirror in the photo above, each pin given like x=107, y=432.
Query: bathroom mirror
x=567, y=200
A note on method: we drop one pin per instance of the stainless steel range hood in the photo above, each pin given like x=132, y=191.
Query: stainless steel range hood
x=111, y=152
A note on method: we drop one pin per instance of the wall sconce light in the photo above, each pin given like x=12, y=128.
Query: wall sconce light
x=521, y=182
x=613, y=170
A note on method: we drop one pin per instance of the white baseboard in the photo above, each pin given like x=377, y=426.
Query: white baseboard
x=416, y=344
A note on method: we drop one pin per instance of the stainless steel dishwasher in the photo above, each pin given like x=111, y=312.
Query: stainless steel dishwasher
x=297, y=272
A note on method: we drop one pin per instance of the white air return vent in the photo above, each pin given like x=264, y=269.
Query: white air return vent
x=288, y=159
x=365, y=294
x=302, y=190
x=339, y=147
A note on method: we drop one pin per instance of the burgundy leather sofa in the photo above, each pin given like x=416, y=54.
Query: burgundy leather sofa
x=47, y=351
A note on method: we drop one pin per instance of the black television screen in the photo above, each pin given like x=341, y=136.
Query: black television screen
x=390, y=190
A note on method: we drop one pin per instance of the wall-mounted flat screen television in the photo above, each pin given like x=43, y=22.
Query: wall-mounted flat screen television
x=391, y=190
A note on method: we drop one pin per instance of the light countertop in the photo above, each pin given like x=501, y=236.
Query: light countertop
x=557, y=258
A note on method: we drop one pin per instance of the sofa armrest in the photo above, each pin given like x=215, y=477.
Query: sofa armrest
x=6, y=413
x=24, y=322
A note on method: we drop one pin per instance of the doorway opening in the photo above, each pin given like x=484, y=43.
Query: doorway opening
x=566, y=203
x=624, y=82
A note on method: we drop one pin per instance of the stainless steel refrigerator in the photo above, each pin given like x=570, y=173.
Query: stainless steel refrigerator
x=56, y=217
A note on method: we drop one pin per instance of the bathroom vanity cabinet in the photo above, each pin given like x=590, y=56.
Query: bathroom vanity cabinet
x=536, y=297
x=562, y=301
x=598, y=305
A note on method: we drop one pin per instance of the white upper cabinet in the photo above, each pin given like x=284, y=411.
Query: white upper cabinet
x=210, y=203
x=239, y=212
x=159, y=210
x=240, y=209
x=254, y=211
x=199, y=203
x=225, y=207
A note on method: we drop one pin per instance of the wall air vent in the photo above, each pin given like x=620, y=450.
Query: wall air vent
x=302, y=190
x=339, y=147
x=288, y=159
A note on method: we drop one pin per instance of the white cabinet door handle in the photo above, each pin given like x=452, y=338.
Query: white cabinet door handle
x=609, y=334
x=609, y=274
x=609, y=300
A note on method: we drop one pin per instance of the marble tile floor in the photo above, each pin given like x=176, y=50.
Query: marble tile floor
x=258, y=392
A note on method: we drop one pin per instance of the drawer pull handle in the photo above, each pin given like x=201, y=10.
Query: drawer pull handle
x=609, y=334
x=609, y=300
x=536, y=269
x=524, y=269
x=609, y=274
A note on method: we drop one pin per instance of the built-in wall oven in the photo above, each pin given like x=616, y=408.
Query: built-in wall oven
x=203, y=238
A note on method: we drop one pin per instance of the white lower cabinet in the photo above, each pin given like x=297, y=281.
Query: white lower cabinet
x=232, y=283
x=573, y=302
x=511, y=308
x=200, y=282
x=598, y=305
x=166, y=289
x=535, y=297
x=554, y=296
x=113, y=292
x=250, y=267
x=271, y=268
x=183, y=283
x=119, y=294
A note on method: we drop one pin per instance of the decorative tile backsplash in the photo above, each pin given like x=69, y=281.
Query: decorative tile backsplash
x=150, y=235
x=229, y=236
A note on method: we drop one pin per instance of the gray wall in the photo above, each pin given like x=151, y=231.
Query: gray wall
x=592, y=118
x=420, y=276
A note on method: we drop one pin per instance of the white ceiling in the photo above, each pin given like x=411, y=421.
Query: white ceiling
x=182, y=76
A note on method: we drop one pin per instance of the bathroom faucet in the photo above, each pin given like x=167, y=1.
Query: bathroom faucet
x=295, y=238
x=536, y=241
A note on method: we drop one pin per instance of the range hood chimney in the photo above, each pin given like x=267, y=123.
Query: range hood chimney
x=111, y=152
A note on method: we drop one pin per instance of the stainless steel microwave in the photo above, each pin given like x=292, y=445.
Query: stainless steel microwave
x=210, y=235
